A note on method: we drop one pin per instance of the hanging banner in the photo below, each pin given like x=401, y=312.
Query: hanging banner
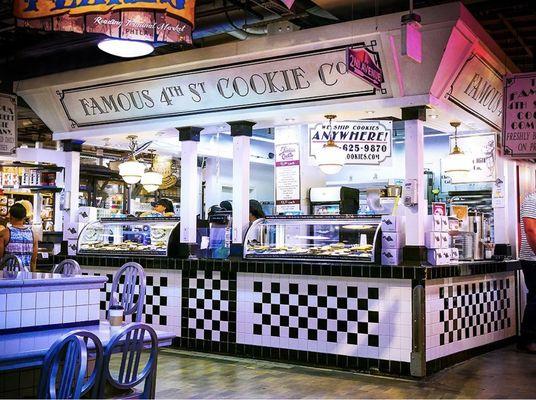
x=478, y=89
x=8, y=124
x=151, y=20
x=365, y=142
x=287, y=177
x=519, y=123
x=365, y=64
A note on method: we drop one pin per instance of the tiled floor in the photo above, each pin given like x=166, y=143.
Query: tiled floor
x=504, y=373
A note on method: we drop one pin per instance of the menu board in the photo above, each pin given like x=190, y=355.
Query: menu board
x=365, y=142
x=519, y=126
x=8, y=124
x=287, y=177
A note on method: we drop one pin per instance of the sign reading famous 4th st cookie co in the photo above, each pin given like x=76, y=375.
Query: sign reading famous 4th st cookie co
x=297, y=78
x=150, y=20
x=365, y=142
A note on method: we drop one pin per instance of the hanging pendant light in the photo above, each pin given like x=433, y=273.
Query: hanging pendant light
x=457, y=163
x=331, y=157
x=132, y=170
x=151, y=180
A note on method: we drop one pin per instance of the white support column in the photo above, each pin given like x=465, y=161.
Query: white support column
x=241, y=152
x=212, y=183
x=241, y=132
x=189, y=137
x=72, y=186
x=505, y=211
x=414, y=159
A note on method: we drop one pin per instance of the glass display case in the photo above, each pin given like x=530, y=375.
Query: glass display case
x=315, y=237
x=131, y=236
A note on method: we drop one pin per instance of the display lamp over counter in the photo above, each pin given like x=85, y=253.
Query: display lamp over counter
x=132, y=170
x=151, y=180
x=331, y=157
x=125, y=48
x=457, y=163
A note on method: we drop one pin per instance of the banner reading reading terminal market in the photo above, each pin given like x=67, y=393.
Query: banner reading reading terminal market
x=150, y=20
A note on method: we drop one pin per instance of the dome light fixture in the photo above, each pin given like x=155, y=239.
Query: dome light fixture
x=151, y=180
x=457, y=163
x=132, y=170
x=125, y=48
x=331, y=157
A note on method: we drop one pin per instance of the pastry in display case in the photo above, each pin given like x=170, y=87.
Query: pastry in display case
x=155, y=236
x=315, y=237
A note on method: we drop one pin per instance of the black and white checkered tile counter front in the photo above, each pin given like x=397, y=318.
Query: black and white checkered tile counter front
x=209, y=305
x=467, y=313
x=162, y=300
x=368, y=318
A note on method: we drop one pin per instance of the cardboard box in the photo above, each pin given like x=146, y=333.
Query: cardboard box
x=439, y=256
x=391, y=257
x=393, y=223
x=87, y=214
x=445, y=240
x=432, y=223
x=393, y=240
x=445, y=224
x=454, y=255
x=432, y=240
x=72, y=247
x=72, y=231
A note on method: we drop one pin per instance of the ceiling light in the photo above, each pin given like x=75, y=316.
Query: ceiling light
x=132, y=170
x=457, y=163
x=434, y=116
x=370, y=112
x=151, y=180
x=290, y=119
x=331, y=157
x=125, y=48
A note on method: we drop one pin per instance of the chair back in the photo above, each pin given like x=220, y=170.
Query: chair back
x=132, y=278
x=63, y=375
x=12, y=263
x=130, y=342
x=67, y=268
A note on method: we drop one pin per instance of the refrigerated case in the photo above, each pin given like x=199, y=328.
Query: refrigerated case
x=315, y=237
x=131, y=236
x=334, y=200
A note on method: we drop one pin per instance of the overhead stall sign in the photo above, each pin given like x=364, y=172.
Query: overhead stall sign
x=8, y=124
x=478, y=89
x=519, y=126
x=365, y=142
x=149, y=20
x=298, y=78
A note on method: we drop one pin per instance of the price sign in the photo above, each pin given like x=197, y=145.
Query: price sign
x=365, y=142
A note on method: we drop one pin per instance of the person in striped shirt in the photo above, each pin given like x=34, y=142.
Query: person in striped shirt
x=18, y=238
x=527, y=256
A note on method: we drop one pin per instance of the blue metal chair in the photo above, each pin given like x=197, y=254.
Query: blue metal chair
x=130, y=340
x=12, y=263
x=63, y=375
x=131, y=275
x=67, y=268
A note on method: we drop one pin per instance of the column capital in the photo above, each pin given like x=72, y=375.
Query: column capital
x=72, y=145
x=417, y=112
x=241, y=128
x=189, y=133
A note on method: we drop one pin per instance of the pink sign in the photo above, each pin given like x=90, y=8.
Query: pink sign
x=288, y=3
x=439, y=208
x=365, y=64
x=519, y=115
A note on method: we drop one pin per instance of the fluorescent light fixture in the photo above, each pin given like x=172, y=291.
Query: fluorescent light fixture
x=434, y=116
x=125, y=48
x=370, y=112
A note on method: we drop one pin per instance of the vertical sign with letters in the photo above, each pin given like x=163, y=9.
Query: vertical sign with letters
x=8, y=124
x=519, y=125
x=287, y=177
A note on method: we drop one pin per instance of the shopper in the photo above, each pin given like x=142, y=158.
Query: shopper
x=18, y=238
x=528, y=263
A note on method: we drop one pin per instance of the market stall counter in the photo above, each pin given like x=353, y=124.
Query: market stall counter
x=410, y=320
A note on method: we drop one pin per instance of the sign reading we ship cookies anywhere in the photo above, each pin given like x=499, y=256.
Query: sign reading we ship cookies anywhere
x=149, y=20
x=365, y=142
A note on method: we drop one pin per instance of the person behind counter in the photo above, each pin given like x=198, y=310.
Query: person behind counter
x=18, y=238
x=255, y=211
x=161, y=208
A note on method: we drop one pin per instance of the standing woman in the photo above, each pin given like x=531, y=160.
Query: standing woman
x=18, y=238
